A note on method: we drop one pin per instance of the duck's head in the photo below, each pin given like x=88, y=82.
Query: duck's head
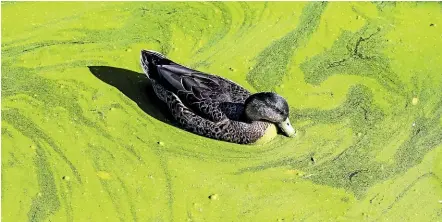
x=271, y=107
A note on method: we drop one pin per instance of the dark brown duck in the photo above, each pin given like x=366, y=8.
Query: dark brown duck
x=212, y=106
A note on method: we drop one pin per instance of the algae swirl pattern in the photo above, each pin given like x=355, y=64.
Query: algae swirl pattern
x=85, y=139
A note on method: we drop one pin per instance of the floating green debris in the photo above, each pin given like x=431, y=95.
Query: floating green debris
x=81, y=122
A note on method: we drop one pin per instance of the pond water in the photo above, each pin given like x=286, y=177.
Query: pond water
x=85, y=139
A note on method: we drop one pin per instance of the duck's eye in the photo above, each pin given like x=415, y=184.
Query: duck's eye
x=288, y=124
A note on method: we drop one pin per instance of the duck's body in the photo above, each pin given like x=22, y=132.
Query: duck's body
x=204, y=104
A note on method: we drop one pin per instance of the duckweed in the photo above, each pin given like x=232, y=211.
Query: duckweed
x=80, y=121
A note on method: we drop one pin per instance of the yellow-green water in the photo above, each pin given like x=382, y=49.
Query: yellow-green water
x=81, y=129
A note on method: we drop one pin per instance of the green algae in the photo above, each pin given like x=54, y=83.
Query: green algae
x=272, y=63
x=46, y=202
x=85, y=139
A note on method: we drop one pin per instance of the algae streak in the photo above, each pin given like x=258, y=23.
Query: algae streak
x=85, y=139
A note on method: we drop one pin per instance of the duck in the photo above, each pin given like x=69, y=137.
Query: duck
x=213, y=106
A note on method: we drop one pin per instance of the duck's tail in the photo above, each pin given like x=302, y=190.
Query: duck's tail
x=150, y=60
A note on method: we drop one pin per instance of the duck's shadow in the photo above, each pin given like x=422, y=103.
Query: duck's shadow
x=135, y=86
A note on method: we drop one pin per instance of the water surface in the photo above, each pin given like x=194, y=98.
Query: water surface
x=81, y=129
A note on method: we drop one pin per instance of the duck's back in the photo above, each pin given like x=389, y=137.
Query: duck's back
x=195, y=87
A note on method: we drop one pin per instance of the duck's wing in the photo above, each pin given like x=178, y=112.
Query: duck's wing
x=204, y=86
x=176, y=77
x=203, y=93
